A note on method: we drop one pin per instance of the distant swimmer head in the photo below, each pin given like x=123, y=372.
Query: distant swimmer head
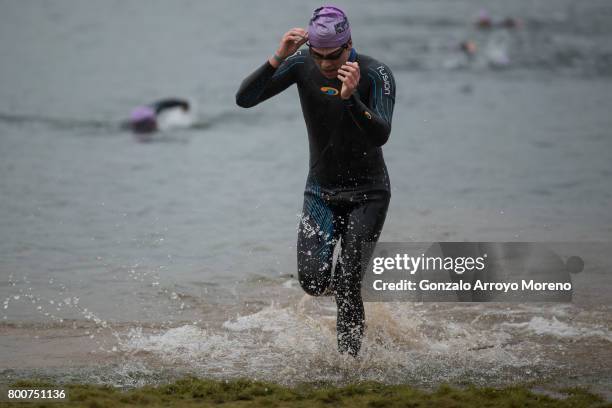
x=468, y=47
x=328, y=28
x=484, y=19
x=143, y=120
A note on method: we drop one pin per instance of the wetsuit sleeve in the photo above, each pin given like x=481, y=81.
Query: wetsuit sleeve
x=375, y=120
x=169, y=104
x=268, y=81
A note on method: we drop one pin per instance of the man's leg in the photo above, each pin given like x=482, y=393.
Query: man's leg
x=317, y=236
x=365, y=222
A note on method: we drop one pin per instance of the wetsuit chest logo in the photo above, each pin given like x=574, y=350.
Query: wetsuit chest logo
x=328, y=90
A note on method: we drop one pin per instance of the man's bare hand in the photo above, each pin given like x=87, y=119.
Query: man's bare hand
x=292, y=40
x=349, y=75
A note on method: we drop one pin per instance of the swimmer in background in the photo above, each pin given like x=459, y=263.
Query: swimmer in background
x=143, y=119
x=469, y=48
x=485, y=21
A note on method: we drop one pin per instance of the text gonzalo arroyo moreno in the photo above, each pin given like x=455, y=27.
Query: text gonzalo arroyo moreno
x=458, y=265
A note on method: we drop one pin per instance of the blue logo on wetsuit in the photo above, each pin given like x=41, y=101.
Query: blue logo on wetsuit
x=328, y=90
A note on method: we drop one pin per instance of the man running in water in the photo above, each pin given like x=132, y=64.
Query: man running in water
x=347, y=100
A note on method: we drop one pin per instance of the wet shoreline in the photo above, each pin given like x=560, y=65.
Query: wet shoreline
x=293, y=340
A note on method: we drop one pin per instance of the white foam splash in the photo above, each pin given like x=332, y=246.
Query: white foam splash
x=298, y=343
x=185, y=343
x=554, y=327
x=269, y=319
x=175, y=118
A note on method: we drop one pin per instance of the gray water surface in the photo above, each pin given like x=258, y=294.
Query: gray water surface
x=198, y=226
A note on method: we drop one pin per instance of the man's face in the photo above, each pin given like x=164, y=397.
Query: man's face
x=329, y=67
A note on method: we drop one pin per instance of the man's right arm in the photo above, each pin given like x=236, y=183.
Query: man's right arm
x=268, y=81
x=277, y=74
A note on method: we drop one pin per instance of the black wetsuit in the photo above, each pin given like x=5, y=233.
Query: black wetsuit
x=347, y=191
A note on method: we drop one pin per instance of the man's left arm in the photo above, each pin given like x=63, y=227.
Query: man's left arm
x=375, y=120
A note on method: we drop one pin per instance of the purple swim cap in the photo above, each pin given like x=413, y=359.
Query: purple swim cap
x=141, y=114
x=328, y=28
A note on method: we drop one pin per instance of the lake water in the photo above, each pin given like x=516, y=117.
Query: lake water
x=179, y=253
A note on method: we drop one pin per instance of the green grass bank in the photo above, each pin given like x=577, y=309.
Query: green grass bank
x=194, y=392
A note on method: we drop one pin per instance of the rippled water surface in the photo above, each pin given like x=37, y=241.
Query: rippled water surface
x=178, y=255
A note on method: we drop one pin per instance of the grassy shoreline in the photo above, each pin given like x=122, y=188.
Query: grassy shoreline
x=191, y=392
